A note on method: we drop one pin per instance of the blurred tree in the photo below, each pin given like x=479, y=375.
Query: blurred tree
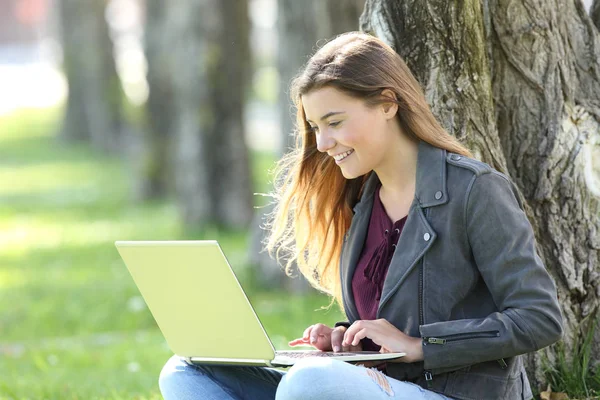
x=300, y=25
x=198, y=86
x=519, y=82
x=154, y=149
x=94, y=104
x=595, y=13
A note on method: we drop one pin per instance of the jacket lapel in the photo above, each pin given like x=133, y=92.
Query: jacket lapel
x=417, y=235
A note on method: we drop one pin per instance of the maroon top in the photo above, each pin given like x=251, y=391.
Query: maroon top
x=373, y=263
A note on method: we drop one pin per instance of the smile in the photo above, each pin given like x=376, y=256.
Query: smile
x=342, y=156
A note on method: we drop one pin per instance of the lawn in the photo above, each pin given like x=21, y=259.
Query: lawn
x=72, y=323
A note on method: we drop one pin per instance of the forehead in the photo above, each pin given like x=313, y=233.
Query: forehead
x=318, y=102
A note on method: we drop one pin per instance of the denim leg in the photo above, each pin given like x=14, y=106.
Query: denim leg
x=179, y=380
x=325, y=378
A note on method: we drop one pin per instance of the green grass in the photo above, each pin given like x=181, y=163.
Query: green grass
x=573, y=374
x=72, y=323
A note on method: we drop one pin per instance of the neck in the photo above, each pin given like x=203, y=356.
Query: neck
x=398, y=174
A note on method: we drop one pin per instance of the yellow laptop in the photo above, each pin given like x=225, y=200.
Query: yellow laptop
x=202, y=310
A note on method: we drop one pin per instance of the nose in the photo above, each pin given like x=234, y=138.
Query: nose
x=324, y=142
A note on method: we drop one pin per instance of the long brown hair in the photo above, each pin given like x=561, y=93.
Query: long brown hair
x=312, y=200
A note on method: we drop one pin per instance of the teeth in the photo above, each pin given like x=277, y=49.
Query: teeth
x=340, y=157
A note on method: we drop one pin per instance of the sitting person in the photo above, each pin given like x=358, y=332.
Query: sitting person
x=427, y=250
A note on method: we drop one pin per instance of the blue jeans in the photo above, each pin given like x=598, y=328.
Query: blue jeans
x=309, y=379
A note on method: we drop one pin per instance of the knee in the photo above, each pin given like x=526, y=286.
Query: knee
x=307, y=379
x=171, y=372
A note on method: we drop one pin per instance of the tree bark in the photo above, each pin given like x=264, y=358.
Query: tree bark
x=518, y=83
x=547, y=91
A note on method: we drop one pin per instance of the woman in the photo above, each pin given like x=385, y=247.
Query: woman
x=427, y=250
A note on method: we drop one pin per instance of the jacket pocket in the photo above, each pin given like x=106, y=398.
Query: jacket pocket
x=473, y=386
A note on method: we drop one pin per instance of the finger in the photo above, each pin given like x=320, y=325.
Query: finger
x=353, y=348
x=356, y=348
x=316, y=332
x=299, y=341
x=337, y=335
x=358, y=336
x=349, y=347
x=306, y=333
x=323, y=343
x=349, y=334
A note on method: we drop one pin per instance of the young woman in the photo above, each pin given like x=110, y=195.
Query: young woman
x=427, y=250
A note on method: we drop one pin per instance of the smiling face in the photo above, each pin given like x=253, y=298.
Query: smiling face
x=357, y=137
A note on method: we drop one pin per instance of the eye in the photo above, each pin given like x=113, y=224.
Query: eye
x=334, y=123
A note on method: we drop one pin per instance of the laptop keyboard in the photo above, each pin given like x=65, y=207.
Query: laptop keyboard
x=317, y=353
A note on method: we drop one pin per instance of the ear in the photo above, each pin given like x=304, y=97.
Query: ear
x=389, y=109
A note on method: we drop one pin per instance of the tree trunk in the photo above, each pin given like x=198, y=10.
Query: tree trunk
x=547, y=90
x=94, y=102
x=153, y=164
x=112, y=93
x=75, y=121
x=230, y=176
x=518, y=83
x=209, y=52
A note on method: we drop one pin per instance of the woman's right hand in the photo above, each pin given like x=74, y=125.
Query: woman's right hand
x=324, y=338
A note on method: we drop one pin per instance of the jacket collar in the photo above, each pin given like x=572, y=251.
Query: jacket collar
x=430, y=190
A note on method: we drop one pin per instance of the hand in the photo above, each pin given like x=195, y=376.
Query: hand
x=325, y=338
x=386, y=335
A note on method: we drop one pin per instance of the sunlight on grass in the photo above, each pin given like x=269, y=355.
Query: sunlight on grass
x=48, y=177
x=25, y=123
x=23, y=231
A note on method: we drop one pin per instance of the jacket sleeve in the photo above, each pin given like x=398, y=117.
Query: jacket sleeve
x=503, y=247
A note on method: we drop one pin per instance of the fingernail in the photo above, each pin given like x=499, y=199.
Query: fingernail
x=336, y=348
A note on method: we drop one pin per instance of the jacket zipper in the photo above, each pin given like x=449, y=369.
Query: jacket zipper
x=427, y=373
x=461, y=336
x=464, y=336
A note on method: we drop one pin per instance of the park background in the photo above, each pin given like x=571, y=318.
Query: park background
x=153, y=120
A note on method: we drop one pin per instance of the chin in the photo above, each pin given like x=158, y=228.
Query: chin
x=350, y=175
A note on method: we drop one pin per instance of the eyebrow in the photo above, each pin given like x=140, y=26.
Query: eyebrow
x=329, y=114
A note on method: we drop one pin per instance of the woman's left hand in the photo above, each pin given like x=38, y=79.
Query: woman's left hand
x=386, y=335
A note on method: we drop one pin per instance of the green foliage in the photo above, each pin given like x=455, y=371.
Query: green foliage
x=72, y=321
x=573, y=375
